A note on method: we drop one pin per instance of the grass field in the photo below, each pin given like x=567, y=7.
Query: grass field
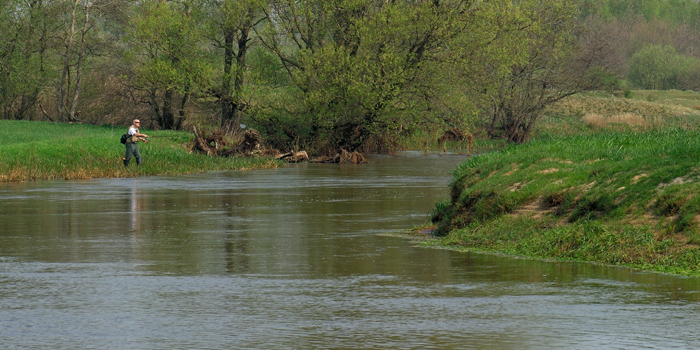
x=42, y=151
x=591, y=113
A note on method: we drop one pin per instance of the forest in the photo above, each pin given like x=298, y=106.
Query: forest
x=357, y=75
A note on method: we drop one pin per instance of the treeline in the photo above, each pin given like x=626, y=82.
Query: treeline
x=673, y=11
x=657, y=42
x=324, y=75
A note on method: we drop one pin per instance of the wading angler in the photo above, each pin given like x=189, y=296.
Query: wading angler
x=132, y=140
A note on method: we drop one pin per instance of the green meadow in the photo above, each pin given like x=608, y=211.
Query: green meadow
x=44, y=151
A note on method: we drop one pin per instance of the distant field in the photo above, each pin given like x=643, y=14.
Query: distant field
x=646, y=110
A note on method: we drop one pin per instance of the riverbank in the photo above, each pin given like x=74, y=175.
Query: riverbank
x=43, y=151
x=622, y=198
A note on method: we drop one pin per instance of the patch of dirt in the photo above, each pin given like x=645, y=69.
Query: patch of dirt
x=676, y=181
x=535, y=210
x=516, y=186
x=510, y=172
x=636, y=178
x=556, y=160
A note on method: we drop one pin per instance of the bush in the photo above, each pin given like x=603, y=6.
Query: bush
x=657, y=67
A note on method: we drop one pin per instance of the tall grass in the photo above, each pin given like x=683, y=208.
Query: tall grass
x=40, y=150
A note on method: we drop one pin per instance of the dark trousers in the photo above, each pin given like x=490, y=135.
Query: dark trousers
x=132, y=149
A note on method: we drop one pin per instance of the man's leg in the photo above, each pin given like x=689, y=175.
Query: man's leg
x=129, y=153
x=137, y=154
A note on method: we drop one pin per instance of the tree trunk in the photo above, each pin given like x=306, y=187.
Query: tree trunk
x=61, y=92
x=78, y=69
x=228, y=106
x=181, y=111
x=234, y=65
x=167, y=117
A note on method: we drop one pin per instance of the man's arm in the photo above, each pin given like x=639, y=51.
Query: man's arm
x=139, y=135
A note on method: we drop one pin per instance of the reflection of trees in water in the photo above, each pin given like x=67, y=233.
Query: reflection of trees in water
x=237, y=238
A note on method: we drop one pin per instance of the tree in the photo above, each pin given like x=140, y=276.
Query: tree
x=76, y=28
x=658, y=67
x=355, y=67
x=544, y=62
x=24, y=40
x=232, y=31
x=169, y=63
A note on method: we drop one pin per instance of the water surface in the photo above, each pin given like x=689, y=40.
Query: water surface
x=295, y=258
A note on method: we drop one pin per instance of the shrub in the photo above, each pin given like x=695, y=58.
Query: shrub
x=657, y=67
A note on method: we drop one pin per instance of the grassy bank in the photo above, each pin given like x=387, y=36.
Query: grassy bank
x=613, y=197
x=42, y=151
x=606, y=180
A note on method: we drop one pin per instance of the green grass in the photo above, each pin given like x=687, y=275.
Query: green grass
x=42, y=151
x=615, y=197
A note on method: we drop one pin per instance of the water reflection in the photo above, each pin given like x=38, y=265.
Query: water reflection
x=135, y=209
x=294, y=258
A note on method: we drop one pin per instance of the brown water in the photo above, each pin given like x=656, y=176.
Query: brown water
x=294, y=258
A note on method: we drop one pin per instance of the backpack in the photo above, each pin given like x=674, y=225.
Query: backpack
x=123, y=139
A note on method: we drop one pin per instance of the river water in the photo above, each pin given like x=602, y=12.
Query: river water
x=296, y=258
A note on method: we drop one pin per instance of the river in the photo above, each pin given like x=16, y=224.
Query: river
x=297, y=258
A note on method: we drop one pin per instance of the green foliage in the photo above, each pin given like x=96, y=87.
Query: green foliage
x=676, y=11
x=537, y=66
x=323, y=75
x=168, y=63
x=354, y=88
x=22, y=57
x=172, y=58
x=266, y=70
x=365, y=74
x=657, y=67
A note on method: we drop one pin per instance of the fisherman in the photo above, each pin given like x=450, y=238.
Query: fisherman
x=132, y=146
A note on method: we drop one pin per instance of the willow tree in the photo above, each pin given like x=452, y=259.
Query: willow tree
x=541, y=60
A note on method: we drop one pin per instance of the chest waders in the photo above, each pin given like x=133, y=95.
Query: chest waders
x=132, y=149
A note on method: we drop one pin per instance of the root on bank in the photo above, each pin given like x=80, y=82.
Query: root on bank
x=250, y=143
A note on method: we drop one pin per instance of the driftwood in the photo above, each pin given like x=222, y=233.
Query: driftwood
x=216, y=144
x=343, y=157
x=249, y=146
x=251, y=141
x=200, y=143
x=293, y=157
x=456, y=134
x=211, y=144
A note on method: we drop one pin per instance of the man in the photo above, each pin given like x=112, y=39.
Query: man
x=132, y=146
